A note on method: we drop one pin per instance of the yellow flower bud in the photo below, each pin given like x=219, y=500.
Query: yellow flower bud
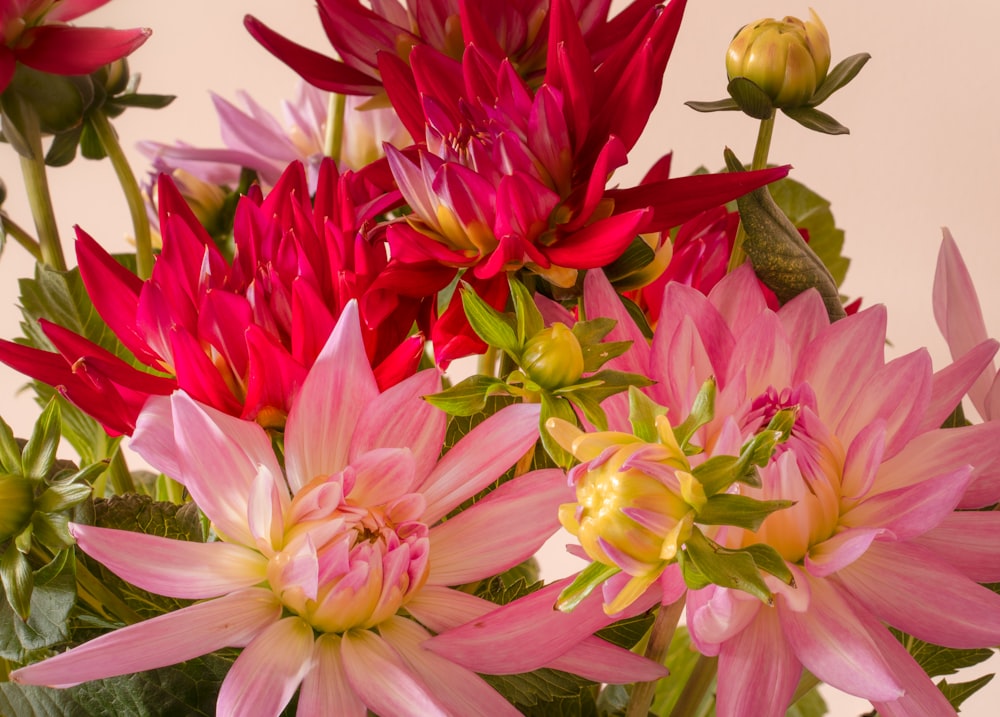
x=553, y=357
x=17, y=503
x=787, y=59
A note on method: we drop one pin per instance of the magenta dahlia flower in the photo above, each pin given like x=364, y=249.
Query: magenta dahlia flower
x=332, y=572
x=237, y=336
x=35, y=33
x=875, y=537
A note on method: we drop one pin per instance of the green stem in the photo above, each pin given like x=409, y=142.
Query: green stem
x=488, y=362
x=97, y=595
x=660, y=636
x=698, y=685
x=133, y=195
x=760, y=152
x=12, y=229
x=335, y=126
x=36, y=182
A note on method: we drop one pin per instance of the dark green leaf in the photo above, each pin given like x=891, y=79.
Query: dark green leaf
x=52, y=599
x=531, y=692
x=499, y=591
x=39, y=455
x=726, y=105
x=739, y=510
x=10, y=452
x=750, y=98
x=810, y=705
x=589, y=402
x=780, y=257
x=936, y=660
x=637, y=255
x=845, y=71
x=468, y=396
x=627, y=632
x=956, y=419
x=638, y=316
x=494, y=328
x=960, y=691
x=814, y=119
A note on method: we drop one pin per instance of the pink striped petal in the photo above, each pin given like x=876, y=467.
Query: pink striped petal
x=763, y=354
x=598, y=660
x=828, y=641
x=153, y=438
x=839, y=551
x=383, y=680
x=459, y=690
x=480, y=458
x=339, y=388
x=864, y=457
x=268, y=671
x=683, y=301
x=524, y=510
x=968, y=541
x=382, y=475
x=230, y=621
x=738, y=298
x=758, y=671
x=953, y=381
x=176, y=568
x=440, y=608
x=716, y=615
x=325, y=689
x=913, y=590
x=939, y=452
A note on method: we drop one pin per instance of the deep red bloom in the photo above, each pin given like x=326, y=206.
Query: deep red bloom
x=237, y=336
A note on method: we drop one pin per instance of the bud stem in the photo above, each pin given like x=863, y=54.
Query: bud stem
x=12, y=229
x=760, y=152
x=130, y=187
x=660, y=637
x=335, y=126
x=698, y=685
x=37, y=184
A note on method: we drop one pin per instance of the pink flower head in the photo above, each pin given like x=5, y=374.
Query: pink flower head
x=35, y=33
x=366, y=38
x=874, y=537
x=237, y=336
x=333, y=572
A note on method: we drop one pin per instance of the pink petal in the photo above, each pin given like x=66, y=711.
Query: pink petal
x=758, y=671
x=829, y=642
x=839, y=551
x=230, y=621
x=382, y=475
x=953, y=381
x=176, y=568
x=481, y=457
x=325, y=689
x=864, y=457
x=383, y=680
x=339, y=388
x=939, y=452
x=153, y=438
x=716, y=615
x=738, y=298
x=465, y=547
x=969, y=541
x=459, y=690
x=598, y=660
x=763, y=354
x=268, y=671
x=913, y=590
x=440, y=608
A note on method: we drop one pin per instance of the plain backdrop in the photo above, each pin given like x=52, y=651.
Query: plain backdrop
x=923, y=150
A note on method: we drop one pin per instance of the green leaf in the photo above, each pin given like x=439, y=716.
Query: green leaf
x=17, y=580
x=750, y=98
x=39, y=454
x=809, y=705
x=596, y=355
x=589, y=402
x=726, y=105
x=628, y=631
x=10, y=452
x=726, y=568
x=529, y=318
x=539, y=692
x=494, y=328
x=637, y=256
x=845, y=71
x=739, y=510
x=467, y=397
x=957, y=693
x=52, y=599
x=637, y=315
x=814, y=119
x=780, y=257
x=770, y=561
x=702, y=412
x=719, y=472
x=936, y=660
x=642, y=414
x=593, y=331
x=585, y=582
x=555, y=407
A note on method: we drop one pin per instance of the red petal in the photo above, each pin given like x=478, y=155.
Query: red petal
x=66, y=50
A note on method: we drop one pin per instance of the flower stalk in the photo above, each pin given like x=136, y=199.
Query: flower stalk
x=18, y=234
x=760, y=152
x=335, y=126
x=698, y=685
x=36, y=183
x=660, y=637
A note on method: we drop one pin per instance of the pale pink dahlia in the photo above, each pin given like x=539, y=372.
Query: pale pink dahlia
x=332, y=572
x=874, y=538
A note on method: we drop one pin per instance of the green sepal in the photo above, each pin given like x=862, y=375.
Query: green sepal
x=51, y=530
x=529, y=318
x=702, y=411
x=780, y=257
x=814, y=119
x=10, y=452
x=91, y=145
x=58, y=101
x=739, y=510
x=62, y=149
x=637, y=256
x=39, y=454
x=62, y=496
x=726, y=105
x=642, y=414
x=553, y=407
x=770, y=561
x=18, y=581
x=750, y=98
x=726, y=568
x=468, y=396
x=591, y=577
x=22, y=541
x=494, y=328
x=593, y=331
x=146, y=101
x=845, y=71
x=591, y=408
x=719, y=472
x=596, y=355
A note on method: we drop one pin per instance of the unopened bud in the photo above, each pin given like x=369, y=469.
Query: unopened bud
x=553, y=357
x=787, y=59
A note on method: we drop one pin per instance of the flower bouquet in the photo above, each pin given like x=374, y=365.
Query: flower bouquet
x=300, y=446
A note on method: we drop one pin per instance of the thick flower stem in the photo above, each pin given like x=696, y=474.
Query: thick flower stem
x=698, y=685
x=13, y=230
x=660, y=636
x=133, y=195
x=760, y=152
x=36, y=183
x=334, y=139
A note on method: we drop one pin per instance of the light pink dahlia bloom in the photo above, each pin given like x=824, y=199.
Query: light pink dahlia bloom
x=874, y=538
x=332, y=573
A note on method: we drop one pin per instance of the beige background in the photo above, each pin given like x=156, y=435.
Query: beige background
x=924, y=148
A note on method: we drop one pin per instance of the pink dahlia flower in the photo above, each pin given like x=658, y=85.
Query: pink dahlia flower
x=875, y=537
x=239, y=336
x=332, y=572
x=35, y=33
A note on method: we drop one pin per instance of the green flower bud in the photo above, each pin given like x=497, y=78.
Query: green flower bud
x=17, y=504
x=553, y=357
x=787, y=59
